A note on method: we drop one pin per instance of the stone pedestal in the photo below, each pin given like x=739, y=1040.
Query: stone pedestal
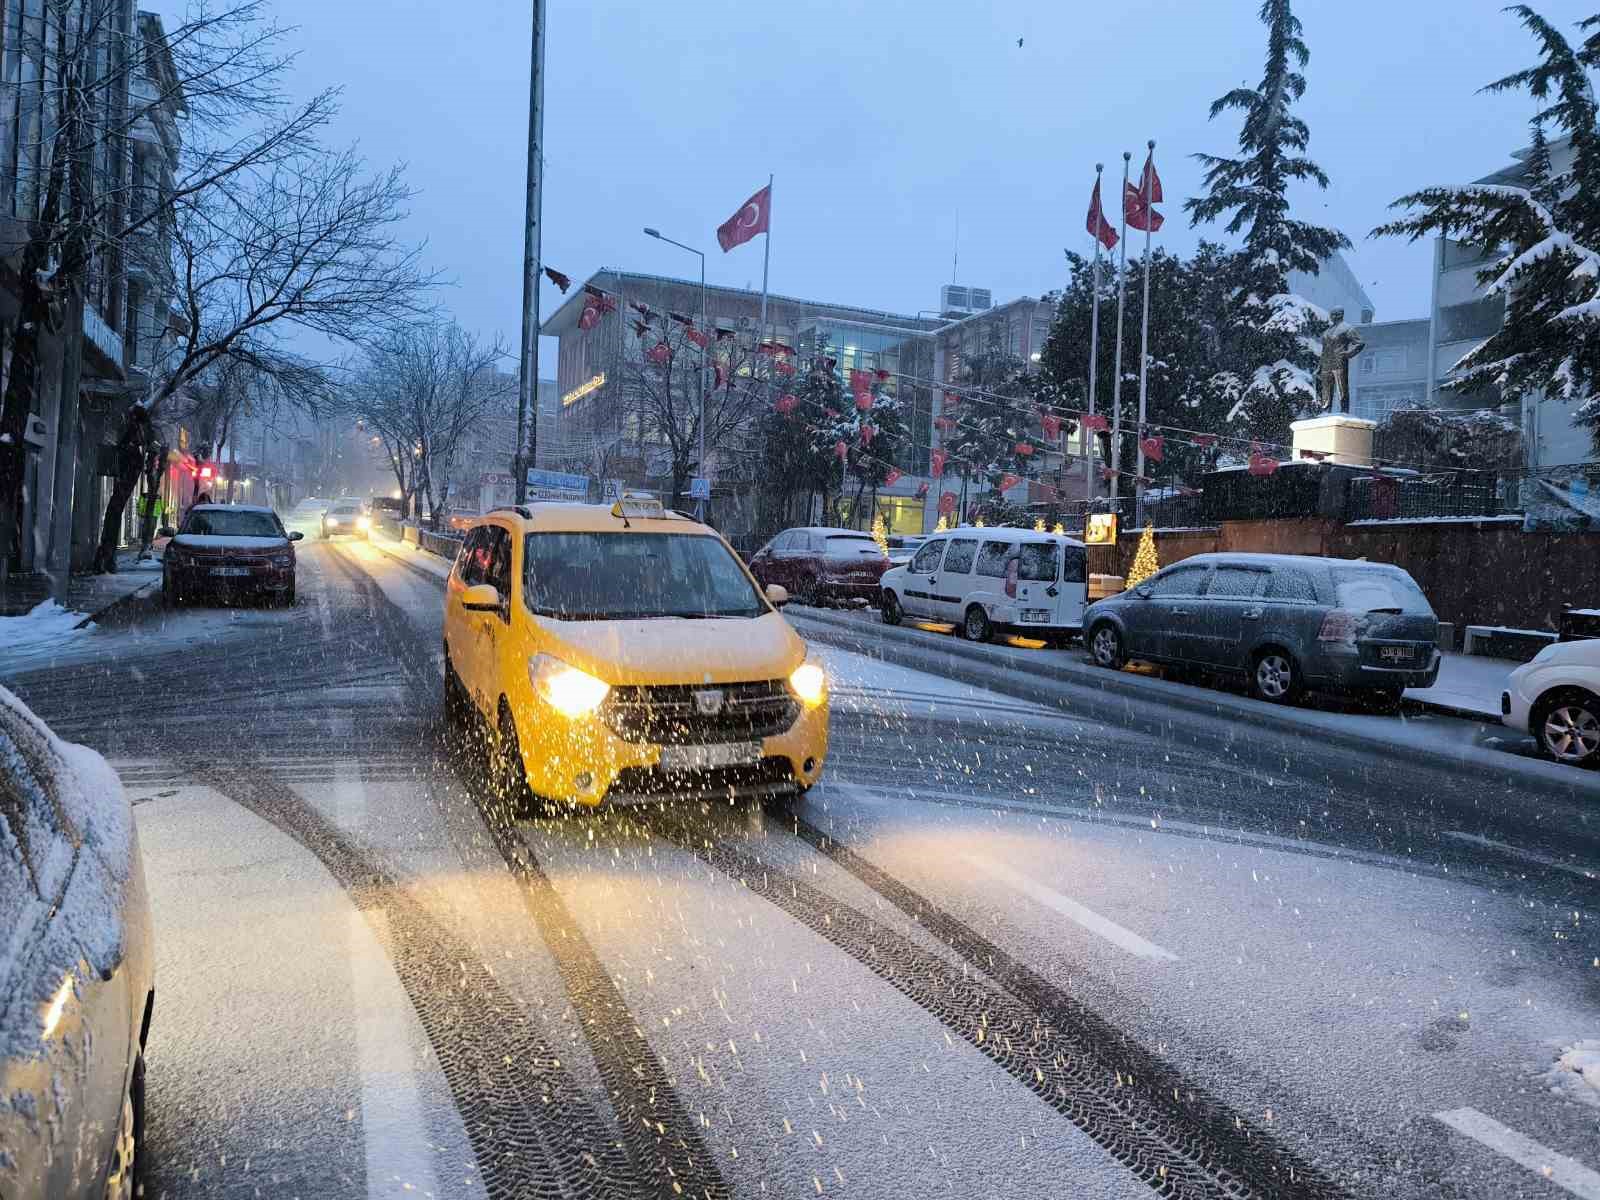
x=1343, y=439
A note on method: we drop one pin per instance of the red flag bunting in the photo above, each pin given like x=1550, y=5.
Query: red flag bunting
x=860, y=381
x=590, y=316
x=753, y=217
x=1096, y=421
x=840, y=450
x=1154, y=448
x=1262, y=464
x=695, y=336
x=720, y=374
x=556, y=277
x=1024, y=448
x=1052, y=427
x=936, y=464
x=659, y=353
x=783, y=368
x=1097, y=224
x=1205, y=440
x=922, y=489
x=786, y=403
x=868, y=432
x=1009, y=481
x=891, y=477
x=864, y=401
x=881, y=375
x=642, y=309
x=947, y=503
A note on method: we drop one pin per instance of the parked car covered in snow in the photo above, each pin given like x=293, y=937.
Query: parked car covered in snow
x=229, y=550
x=1556, y=698
x=1285, y=622
x=76, y=969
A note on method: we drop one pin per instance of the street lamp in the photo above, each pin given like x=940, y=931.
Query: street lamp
x=705, y=357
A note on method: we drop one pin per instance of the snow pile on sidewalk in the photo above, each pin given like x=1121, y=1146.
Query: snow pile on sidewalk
x=47, y=621
x=1576, y=1074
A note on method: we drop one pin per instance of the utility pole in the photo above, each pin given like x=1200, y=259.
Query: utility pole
x=528, y=383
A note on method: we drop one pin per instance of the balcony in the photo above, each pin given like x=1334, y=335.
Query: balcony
x=103, y=343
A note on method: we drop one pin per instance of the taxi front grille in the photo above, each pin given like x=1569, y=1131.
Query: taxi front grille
x=770, y=776
x=673, y=715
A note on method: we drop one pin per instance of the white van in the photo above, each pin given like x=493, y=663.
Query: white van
x=988, y=581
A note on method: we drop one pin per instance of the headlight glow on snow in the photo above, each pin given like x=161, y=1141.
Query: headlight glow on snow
x=571, y=692
x=363, y=523
x=809, y=683
x=57, y=1005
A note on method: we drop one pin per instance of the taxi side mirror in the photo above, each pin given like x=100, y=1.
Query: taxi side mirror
x=777, y=595
x=481, y=597
x=166, y=531
x=296, y=536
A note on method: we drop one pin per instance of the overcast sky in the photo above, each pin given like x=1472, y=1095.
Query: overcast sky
x=881, y=119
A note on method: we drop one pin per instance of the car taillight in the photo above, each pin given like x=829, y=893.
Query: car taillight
x=1340, y=625
x=1011, y=578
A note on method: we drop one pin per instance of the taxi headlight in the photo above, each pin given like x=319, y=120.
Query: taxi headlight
x=809, y=683
x=363, y=523
x=571, y=692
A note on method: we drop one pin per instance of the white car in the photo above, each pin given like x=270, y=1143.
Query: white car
x=992, y=581
x=1556, y=698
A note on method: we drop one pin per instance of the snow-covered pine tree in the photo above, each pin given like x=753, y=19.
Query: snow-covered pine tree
x=993, y=419
x=797, y=460
x=1272, y=337
x=1548, y=233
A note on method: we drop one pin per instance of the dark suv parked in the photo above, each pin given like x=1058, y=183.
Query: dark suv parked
x=817, y=564
x=1283, y=621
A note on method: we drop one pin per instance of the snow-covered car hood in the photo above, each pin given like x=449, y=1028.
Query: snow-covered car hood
x=678, y=650
x=218, y=541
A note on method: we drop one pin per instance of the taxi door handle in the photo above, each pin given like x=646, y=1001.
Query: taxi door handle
x=1252, y=614
x=1052, y=591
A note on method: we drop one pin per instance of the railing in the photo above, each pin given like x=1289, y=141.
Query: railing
x=1392, y=498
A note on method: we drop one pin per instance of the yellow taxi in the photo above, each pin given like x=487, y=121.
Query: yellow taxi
x=624, y=654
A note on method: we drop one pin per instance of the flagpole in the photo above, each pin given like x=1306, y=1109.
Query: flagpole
x=1094, y=351
x=1144, y=348
x=766, y=259
x=1116, y=381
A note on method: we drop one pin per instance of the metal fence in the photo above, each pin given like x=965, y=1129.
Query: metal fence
x=1389, y=498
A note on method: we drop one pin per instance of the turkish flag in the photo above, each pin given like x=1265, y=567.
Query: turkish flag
x=892, y=477
x=1096, y=421
x=783, y=368
x=864, y=401
x=1097, y=224
x=695, y=336
x=720, y=375
x=1024, y=448
x=1137, y=213
x=947, y=503
x=1154, y=448
x=868, y=432
x=556, y=277
x=659, y=353
x=860, y=381
x=1205, y=440
x=1052, y=426
x=1262, y=464
x=1009, y=481
x=840, y=449
x=752, y=218
x=590, y=317
x=922, y=489
x=786, y=403
x=936, y=464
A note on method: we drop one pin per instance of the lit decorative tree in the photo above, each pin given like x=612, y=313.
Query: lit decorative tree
x=880, y=534
x=1144, y=561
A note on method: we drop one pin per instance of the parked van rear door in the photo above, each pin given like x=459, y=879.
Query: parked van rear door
x=1074, y=586
x=954, y=581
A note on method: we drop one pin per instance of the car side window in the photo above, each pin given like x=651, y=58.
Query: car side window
x=1287, y=583
x=958, y=558
x=1074, y=564
x=992, y=558
x=1235, y=582
x=784, y=542
x=498, y=569
x=1178, y=581
x=468, y=568
x=927, y=559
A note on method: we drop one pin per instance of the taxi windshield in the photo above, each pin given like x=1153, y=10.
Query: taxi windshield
x=629, y=576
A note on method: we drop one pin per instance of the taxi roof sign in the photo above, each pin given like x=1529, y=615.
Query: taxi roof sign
x=632, y=505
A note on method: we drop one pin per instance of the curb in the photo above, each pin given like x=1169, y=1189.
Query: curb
x=1216, y=705
x=407, y=562
x=118, y=602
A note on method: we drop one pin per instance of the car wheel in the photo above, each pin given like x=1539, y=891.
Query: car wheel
x=1105, y=647
x=1567, y=727
x=889, y=606
x=122, y=1173
x=508, y=777
x=288, y=597
x=456, y=703
x=975, y=624
x=1274, y=677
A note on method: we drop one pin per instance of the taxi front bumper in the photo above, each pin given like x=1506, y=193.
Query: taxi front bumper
x=583, y=761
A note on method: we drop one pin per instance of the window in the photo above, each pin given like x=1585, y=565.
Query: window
x=223, y=522
x=1286, y=583
x=1229, y=581
x=1037, y=561
x=1374, y=590
x=469, y=566
x=959, y=558
x=628, y=576
x=1475, y=319
x=1179, y=581
x=992, y=558
x=1074, y=564
x=849, y=545
x=927, y=559
x=784, y=542
x=498, y=571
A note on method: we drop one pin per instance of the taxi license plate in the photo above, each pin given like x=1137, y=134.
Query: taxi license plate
x=1035, y=616
x=705, y=758
x=1396, y=653
x=235, y=571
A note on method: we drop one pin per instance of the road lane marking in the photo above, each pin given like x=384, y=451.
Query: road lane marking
x=1543, y=860
x=1072, y=910
x=1564, y=1172
x=397, y=1137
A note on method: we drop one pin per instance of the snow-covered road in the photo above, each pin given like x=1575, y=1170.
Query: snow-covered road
x=1004, y=949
